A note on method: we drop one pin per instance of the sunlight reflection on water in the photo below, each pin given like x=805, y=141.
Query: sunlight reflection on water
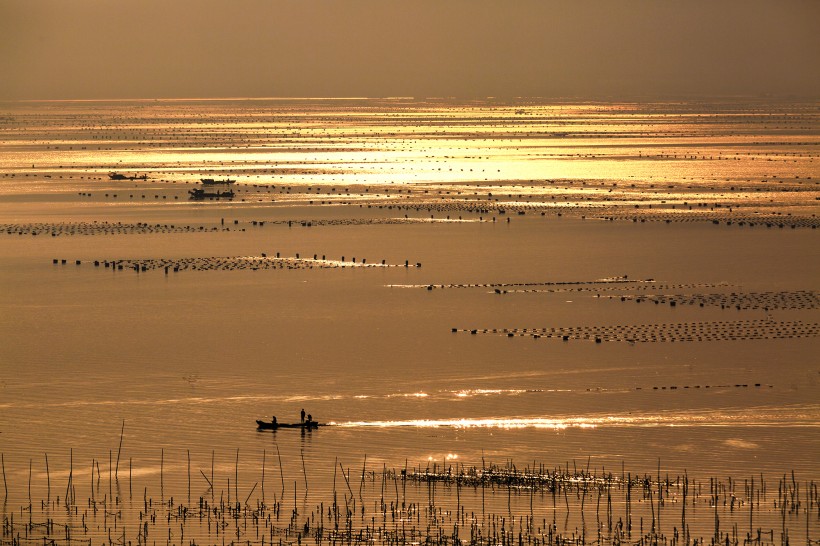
x=190, y=361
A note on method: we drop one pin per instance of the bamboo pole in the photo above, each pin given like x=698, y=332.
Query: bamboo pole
x=236, y=477
x=119, y=450
x=660, y=495
x=251, y=493
x=346, y=480
x=361, y=483
x=751, y=504
x=304, y=470
x=210, y=485
x=70, y=476
x=281, y=471
x=5, y=485
x=683, y=507
x=263, y=476
x=48, y=478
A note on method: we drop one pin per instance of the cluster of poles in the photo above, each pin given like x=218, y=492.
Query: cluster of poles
x=440, y=504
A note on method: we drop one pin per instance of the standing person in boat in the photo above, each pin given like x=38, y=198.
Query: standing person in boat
x=303, y=415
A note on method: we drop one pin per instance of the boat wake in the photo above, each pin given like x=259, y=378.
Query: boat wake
x=799, y=416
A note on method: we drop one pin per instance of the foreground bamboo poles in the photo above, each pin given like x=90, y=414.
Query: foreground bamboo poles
x=439, y=504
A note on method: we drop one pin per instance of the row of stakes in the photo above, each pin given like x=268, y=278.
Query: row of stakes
x=233, y=263
x=95, y=228
x=799, y=299
x=613, y=211
x=644, y=333
x=118, y=228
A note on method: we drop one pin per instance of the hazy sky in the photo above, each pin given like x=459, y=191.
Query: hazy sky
x=422, y=48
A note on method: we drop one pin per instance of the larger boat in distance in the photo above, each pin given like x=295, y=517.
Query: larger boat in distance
x=210, y=189
x=199, y=194
x=120, y=176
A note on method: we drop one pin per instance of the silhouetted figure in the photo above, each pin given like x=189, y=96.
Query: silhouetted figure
x=274, y=422
x=303, y=415
x=309, y=420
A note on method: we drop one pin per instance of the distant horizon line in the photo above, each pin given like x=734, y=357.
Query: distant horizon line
x=561, y=98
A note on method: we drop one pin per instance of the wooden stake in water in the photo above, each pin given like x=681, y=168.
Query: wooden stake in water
x=346, y=480
x=48, y=478
x=210, y=485
x=404, y=485
x=335, y=460
x=5, y=486
x=281, y=472
x=304, y=470
x=251, y=493
x=683, y=508
x=751, y=504
x=119, y=450
x=70, y=476
x=263, y=476
x=660, y=494
x=361, y=483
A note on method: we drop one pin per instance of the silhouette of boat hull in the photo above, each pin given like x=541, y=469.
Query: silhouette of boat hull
x=199, y=194
x=120, y=176
x=212, y=181
x=265, y=425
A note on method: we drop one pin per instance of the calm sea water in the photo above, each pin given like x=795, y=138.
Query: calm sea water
x=184, y=362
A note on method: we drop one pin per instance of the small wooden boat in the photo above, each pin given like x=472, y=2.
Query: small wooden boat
x=307, y=425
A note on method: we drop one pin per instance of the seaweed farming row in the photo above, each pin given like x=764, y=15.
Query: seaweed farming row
x=57, y=229
x=740, y=330
x=440, y=504
x=238, y=263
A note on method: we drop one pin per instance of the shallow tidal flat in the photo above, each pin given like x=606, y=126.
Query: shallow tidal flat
x=526, y=306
